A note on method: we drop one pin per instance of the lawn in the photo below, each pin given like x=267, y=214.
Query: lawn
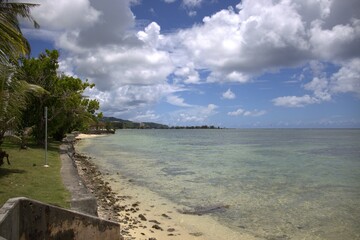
x=27, y=176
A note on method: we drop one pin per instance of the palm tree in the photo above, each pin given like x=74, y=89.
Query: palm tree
x=12, y=101
x=12, y=46
x=12, y=42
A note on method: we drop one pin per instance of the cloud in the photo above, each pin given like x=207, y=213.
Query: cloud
x=255, y=113
x=238, y=112
x=51, y=14
x=242, y=112
x=320, y=89
x=187, y=3
x=229, y=94
x=187, y=74
x=340, y=42
x=177, y=101
x=294, y=101
x=236, y=45
x=192, y=13
x=192, y=3
x=345, y=80
x=111, y=67
x=42, y=34
x=151, y=35
x=130, y=99
x=145, y=117
x=194, y=115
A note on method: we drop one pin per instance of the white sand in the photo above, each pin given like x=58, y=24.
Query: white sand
x=84, y=136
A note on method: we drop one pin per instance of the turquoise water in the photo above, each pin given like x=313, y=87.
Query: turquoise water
x=279, y=183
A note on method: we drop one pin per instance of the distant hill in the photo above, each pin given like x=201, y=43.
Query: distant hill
x=118, y=123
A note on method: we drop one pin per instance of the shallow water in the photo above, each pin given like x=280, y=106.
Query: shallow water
x=279, y=183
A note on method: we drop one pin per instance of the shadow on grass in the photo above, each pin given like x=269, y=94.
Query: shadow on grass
x=52, y=146
x=7, y=171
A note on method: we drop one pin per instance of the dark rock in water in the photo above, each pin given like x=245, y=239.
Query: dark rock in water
x=165, y=216
x=174, y=171
x=196, y=234
x=205, y=209
x=157, y=227
x=282, y=237
x=154, y=221
x=142, y=217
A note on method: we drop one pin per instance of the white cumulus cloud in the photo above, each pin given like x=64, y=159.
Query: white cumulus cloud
x=177, y=101
x=229, y=94
x=294, y=101
x=51, y=14
x=258, y=36
x=243, y=112
x=345, y=80
x=194, y=115
x=192, y=3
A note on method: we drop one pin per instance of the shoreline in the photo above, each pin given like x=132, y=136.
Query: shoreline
x=143, y=214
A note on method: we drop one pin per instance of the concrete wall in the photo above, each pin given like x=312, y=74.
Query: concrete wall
x=81, y=199
x=22, y=218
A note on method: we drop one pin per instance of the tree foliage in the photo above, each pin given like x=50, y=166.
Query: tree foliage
x=14, y=96
x=12, y=42
x=68, y=109
x=13, y=90
x=63, y=95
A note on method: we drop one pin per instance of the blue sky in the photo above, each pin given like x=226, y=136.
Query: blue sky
x=250, y=63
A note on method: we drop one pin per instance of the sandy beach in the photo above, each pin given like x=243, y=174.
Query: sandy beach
x=84, y=136
x=143, y=214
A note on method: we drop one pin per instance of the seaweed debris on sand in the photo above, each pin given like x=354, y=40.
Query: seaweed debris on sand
x=122, y=209
x=106, y=198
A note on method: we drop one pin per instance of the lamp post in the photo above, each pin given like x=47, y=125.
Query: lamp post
x=46, y=138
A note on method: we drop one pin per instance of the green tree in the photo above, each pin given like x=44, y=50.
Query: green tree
x=14, y=96
x=40, y=71
x=68, y=109
x=72, y=110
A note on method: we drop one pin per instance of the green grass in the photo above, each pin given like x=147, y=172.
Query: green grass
x=27, y=176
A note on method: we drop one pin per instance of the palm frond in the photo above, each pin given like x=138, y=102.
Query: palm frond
x=12, y=43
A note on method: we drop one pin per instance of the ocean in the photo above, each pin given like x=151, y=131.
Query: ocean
x=275, y=183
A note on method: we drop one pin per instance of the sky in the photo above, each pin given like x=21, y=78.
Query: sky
x=228, y=63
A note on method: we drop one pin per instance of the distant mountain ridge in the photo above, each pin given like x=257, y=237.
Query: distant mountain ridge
x=118, y=123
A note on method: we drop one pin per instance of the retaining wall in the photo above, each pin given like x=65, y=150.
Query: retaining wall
x=81, y=199
x=26, y=219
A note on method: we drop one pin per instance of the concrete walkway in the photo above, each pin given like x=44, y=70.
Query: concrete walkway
x=81, y=199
